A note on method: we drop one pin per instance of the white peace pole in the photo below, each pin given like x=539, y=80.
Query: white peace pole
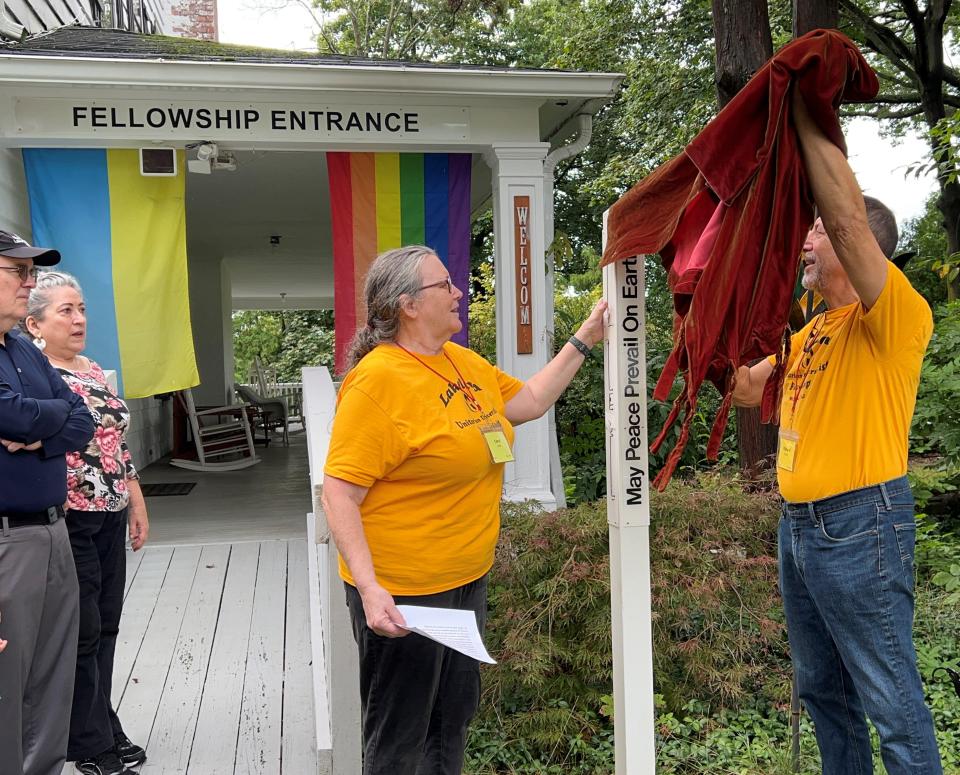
x=628, y=516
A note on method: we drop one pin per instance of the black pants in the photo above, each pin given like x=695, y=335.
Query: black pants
x=97, y=539
x=417, y=697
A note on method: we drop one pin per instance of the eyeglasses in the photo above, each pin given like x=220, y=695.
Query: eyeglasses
x=446, y=281
x=26, y=272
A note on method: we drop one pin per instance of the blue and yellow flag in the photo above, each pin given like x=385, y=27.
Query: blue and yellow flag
x=123, y=236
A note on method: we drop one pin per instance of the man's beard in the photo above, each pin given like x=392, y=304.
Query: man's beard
x=811, y=280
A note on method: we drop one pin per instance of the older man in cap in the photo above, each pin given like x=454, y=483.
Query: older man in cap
x=41, y=420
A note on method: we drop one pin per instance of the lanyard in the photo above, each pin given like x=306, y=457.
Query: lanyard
x=807, y=352
x=468, y=395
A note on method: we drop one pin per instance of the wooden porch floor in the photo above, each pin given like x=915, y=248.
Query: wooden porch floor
x=213, y=664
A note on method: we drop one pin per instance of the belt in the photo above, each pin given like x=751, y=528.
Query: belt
x=27, y=518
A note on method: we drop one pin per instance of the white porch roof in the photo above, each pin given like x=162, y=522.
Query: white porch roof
x=280, y=186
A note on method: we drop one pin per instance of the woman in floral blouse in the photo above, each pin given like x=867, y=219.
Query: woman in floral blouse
x=103, y=501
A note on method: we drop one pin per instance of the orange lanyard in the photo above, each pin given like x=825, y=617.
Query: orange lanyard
x=806, y=353
x=468, y=395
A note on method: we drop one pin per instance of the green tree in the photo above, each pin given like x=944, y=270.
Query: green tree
x=256, y=334
x=284, y=341
x=925, y=236
x=411, y=30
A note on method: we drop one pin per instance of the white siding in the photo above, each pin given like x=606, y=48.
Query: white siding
x=14, y=207
x=150, y=428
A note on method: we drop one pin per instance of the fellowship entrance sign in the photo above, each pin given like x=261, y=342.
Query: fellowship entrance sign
x=191, y=120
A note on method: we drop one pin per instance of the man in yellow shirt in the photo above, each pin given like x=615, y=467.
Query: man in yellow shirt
x=846, y=538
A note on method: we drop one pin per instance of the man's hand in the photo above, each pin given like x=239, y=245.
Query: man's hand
x=750, y=382
x=383, y=616
x=16, y=446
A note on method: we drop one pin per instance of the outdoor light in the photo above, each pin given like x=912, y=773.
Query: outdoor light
x=210, y=159
x=207, y=151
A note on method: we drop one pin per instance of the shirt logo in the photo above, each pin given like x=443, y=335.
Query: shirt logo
x=465, y=389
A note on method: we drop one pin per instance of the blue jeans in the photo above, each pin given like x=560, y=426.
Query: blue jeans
x=846, y=576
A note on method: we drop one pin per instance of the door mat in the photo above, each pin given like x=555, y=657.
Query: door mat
x=167, y=488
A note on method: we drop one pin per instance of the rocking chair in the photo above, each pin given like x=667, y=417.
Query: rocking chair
x=228, y=436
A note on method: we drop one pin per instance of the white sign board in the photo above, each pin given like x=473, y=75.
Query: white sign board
x=628, y=516
x=192, y=120
x=628, y=487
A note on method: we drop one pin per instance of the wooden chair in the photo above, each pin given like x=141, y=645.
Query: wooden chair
x=228, y=436
x=274, y=411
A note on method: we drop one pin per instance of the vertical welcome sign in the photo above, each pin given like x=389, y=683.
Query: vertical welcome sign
x=521, y=252
x=628, y=516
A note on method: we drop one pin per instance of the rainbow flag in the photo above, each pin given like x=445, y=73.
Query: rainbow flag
x=123, y=236
x=381, y=201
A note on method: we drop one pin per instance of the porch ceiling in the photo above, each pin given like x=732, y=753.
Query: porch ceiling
x=233, y=215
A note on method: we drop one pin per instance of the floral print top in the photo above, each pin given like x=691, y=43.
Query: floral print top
x=97, y=476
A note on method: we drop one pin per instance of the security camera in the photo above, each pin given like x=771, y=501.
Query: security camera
x=207, y=151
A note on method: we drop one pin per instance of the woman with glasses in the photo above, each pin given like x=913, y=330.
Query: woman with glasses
x=104, y=502
x=412, y=492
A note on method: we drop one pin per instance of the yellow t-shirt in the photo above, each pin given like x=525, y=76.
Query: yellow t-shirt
x=432, y=512
x=850, y=391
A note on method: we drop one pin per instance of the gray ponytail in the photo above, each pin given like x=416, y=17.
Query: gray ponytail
x=393, y=274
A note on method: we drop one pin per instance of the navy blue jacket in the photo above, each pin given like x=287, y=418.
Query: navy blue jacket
x=36, y=405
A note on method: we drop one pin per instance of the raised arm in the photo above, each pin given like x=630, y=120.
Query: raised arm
x=841, y=207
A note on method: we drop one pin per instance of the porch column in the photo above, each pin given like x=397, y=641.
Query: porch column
x=522, y=304
x=210, y=316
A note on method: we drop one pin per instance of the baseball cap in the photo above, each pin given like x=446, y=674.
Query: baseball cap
x=14, y=246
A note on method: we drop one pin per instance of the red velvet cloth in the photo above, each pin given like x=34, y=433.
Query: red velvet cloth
x=728, y=217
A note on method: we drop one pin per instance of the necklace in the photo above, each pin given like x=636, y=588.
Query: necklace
x=806, y=359
x=462, y=385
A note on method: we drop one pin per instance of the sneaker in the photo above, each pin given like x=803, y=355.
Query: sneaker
x=130, y=753
x=107, y=763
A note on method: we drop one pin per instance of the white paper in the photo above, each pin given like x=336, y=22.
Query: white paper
x=453, y=627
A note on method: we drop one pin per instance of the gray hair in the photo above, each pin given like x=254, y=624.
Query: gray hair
x=883, y=224
x=392, y=275
x=40, y=294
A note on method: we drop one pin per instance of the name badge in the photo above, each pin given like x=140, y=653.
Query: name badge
x=787, y=449
x=497, y=443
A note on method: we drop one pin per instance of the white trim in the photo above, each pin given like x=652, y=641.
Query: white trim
x=282, y=76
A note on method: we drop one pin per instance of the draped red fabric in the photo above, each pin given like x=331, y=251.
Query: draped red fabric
x=728, y=217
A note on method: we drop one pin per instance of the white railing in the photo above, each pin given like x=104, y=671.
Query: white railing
x=335, y=667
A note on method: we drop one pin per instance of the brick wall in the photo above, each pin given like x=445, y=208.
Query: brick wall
x=191, y=18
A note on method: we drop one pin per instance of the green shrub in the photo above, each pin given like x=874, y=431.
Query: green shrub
x=718, y=633
x=936, y=421
x=721, y=665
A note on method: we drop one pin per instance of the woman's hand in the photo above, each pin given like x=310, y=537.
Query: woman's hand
x=137, y=518
x=383, y=616
x=591, y=330
x=139, y=528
